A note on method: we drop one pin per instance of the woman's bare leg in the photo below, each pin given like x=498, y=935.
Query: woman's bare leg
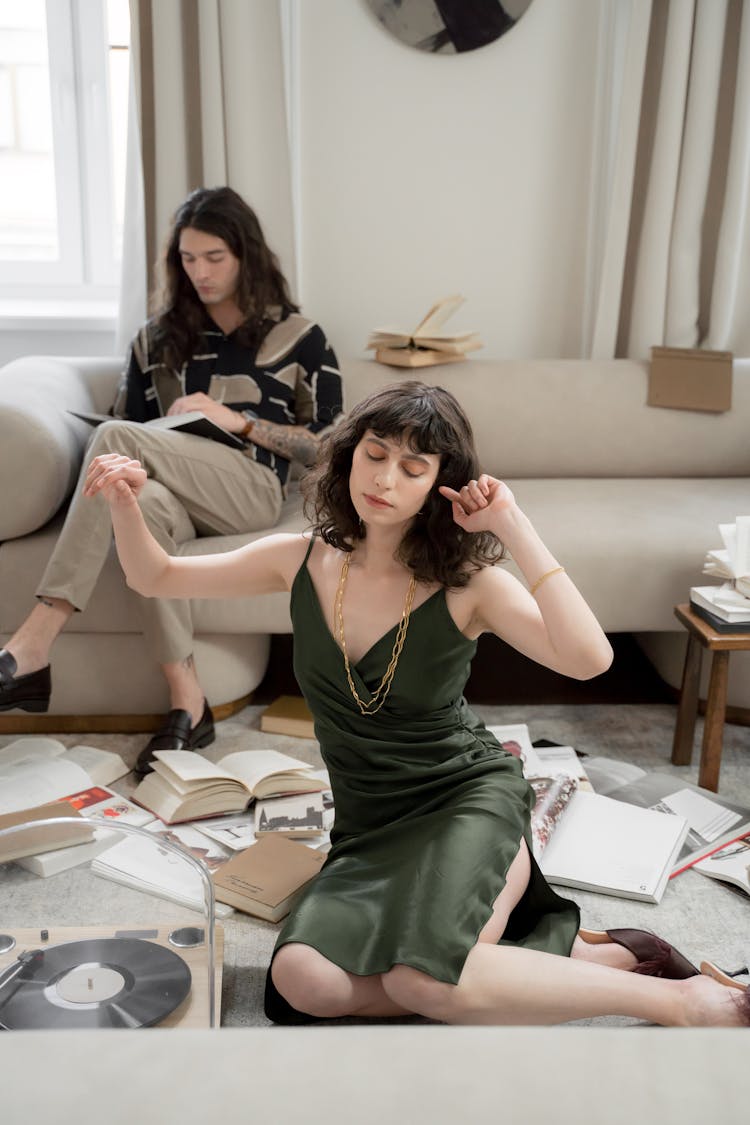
x=313, y=984
x=31, y=643
x=508, y=985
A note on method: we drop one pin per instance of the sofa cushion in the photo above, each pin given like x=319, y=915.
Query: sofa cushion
x=577, y=418
x=40, y=443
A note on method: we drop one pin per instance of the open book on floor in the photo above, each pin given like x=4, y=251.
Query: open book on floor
x=140, y=863
x=191, y=422
x=302, y=814
x=600, y=844
x=185, y=785
x=713, y=821
x=730, y=864
x=35, y=770
x=542, y=759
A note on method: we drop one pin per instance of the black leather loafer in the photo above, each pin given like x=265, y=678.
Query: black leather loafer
x=30, y=692
x=177, y=734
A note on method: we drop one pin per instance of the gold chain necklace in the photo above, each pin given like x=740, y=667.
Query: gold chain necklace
x=379, y=696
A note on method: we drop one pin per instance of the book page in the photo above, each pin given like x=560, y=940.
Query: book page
x=705, y=817
x=23, y=749
x=731, y=864
x=24, y=784
x=438, y=315
x=553, y=795
x=515, y=738
x=192, y=767
x=251, y=766
x=102, y=766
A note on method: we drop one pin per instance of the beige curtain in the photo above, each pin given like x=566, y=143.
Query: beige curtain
x=670, y=257
x=209, y=107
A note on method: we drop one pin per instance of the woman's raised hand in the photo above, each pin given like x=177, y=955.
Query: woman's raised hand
x=481, y=505
x=118, y=479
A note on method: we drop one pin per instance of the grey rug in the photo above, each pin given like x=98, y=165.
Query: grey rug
x=703, y=918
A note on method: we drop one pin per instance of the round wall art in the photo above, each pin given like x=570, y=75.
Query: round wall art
x=446, y=27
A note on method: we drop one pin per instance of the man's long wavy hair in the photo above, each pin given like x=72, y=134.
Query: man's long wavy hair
x=434, y=547
x=180, y=315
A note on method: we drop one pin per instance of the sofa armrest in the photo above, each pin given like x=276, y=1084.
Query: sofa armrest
x=41, y=445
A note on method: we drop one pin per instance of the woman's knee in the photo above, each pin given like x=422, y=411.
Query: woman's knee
x=309, y=982
x=417, y=992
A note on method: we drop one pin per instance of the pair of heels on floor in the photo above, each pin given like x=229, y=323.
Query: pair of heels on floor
x=657, y=958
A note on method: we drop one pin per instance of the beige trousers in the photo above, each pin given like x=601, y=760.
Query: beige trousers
x=196, y=487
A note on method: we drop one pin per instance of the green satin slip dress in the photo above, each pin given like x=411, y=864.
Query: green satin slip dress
x=430, y=810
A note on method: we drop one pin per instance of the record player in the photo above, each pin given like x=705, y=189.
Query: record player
x=104, y=976
x=135, y=958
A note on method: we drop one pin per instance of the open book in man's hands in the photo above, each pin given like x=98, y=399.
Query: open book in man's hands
x=426, y=344
x=191, y=422
x=185, y=785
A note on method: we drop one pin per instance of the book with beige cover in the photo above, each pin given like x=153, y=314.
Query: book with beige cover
x=264, y=879
x=289, y=714
x=426, y=344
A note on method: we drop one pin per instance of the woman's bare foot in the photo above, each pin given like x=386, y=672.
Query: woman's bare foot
x=710, y=1004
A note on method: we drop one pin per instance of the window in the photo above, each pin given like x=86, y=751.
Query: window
x=63, y=131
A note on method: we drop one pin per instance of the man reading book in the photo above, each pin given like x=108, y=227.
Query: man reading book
x=228, y=341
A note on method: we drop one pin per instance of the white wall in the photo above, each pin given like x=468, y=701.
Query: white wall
x=421, y=176
x=426, y=175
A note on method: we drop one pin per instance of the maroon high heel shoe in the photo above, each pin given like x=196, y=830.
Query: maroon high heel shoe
x=656, y=957
x=742, y=1002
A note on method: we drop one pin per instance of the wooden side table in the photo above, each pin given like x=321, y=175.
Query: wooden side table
x=701, y=636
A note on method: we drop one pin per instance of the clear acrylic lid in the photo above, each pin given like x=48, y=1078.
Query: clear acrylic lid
x=119, y=933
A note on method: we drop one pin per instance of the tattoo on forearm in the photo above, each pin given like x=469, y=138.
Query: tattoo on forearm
x=293, y=442
x=188, y=663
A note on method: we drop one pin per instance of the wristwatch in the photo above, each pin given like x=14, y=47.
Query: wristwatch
x=250, y=419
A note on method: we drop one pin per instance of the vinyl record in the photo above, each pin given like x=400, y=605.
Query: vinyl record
x=106, y=982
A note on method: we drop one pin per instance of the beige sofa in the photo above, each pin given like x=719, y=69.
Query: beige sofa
x=628, y=497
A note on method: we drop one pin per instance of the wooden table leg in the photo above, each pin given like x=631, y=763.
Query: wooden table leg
x=713, y=728
x=687, y=711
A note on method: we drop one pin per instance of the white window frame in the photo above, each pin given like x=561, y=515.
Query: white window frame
x=86, y=268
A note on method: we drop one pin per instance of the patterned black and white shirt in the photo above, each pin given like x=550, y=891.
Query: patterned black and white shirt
x=292, y=379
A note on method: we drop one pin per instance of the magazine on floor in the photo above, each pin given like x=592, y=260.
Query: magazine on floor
x=713, y=821
x=139, y=862
x=731, y=864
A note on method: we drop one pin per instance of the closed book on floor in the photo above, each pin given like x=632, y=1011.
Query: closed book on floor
x=289, y=714
x=265, y=879
x=30, y=838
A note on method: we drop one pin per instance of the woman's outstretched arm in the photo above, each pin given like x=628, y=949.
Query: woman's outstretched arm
x=550, y=621
x=266, y=566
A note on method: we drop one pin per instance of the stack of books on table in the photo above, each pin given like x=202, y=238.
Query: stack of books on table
x=727, y=607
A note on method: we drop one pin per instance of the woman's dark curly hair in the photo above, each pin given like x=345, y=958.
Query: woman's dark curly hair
x=434, y=548
x=180, y=315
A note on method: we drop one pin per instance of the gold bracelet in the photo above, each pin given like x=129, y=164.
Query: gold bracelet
x=537, y=584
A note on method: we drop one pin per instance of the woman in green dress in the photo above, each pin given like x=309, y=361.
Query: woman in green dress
x=430, y=901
